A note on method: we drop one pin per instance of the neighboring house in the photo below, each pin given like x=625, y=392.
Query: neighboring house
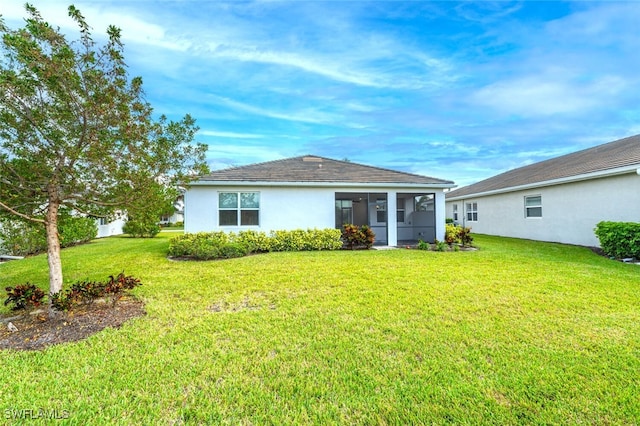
x=316, y=192
x=108, y=228
x=559, y=200
x=177, y=215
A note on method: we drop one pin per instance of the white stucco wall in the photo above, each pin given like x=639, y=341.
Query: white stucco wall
x=280, y=208
x=570, y=211
x=288, y=207
x=111, y=228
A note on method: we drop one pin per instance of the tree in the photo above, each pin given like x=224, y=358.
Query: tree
x=76, y=132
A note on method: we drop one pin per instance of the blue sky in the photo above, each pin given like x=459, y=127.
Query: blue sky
x=454, y=90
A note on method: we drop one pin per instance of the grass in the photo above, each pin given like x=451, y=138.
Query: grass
x=517, y=332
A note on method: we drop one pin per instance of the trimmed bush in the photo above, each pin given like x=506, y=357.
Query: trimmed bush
x=231, y=250
x=619, y=239
x=222, y=245
x=255, y=241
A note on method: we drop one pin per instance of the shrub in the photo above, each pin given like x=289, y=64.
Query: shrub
x=619, y=239
x=141, y=227
x=457, y=235
x=76, y=230
x=22, y=238
x=201, y=245
x=217, y=245
x=441, y=245
x=23, y=295
x=255, y=241
x=355, y=236
x=423, y=245
x=231, y=250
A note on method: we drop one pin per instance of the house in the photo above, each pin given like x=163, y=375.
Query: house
x=558, y=200
x=317, y=192
x=107, y=228
x=177, y=216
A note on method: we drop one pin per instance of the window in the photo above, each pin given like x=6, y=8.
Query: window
x=455, y=212
x=472, y=212
x=238, y=208
x=533, y=206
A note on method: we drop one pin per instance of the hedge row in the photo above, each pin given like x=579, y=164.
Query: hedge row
x=619, y=239
x=223, y=245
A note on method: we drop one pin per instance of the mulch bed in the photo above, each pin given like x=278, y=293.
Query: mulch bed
x=36, y=331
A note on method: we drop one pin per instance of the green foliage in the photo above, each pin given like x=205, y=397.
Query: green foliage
x=141, y=227
x=619, y=239
x=458, y=235
x=441, y=246
x=422, y=245
x=217, y=245
x=76, y=230
x=355, y=236
x=76, y=130
x=23, y=295
x=22, y=238
x=232, y=250
x=87, y=291
x=255, y=241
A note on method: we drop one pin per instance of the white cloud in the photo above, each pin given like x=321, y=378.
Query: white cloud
x=548, y=95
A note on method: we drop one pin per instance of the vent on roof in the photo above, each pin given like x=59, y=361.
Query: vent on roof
x=311, y=159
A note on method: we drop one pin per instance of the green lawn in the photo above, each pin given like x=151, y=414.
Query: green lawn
x=517, y=332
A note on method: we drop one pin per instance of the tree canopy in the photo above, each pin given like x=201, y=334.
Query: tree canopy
x=76, y=130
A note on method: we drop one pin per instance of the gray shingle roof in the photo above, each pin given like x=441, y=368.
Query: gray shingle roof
x=612, y=155
x=311, y=168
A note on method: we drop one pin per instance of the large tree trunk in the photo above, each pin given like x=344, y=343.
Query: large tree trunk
x=53, y=249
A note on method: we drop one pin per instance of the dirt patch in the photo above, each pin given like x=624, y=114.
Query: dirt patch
x=35, y=331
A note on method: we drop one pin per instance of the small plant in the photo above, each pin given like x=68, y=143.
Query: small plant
x=464, y=235
x=116, y=286
x=88, y=291
x=441, y=245
x=355, y=236
x=422, y=245
x=24, y=295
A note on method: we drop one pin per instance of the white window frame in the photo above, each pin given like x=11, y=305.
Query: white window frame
x=455, y=212
x=529, y=208
x=239, y=208
x=471, y=211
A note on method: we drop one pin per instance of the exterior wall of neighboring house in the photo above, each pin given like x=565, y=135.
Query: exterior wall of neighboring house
x=569, y=211
x=290, y=207
x=107, y=229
